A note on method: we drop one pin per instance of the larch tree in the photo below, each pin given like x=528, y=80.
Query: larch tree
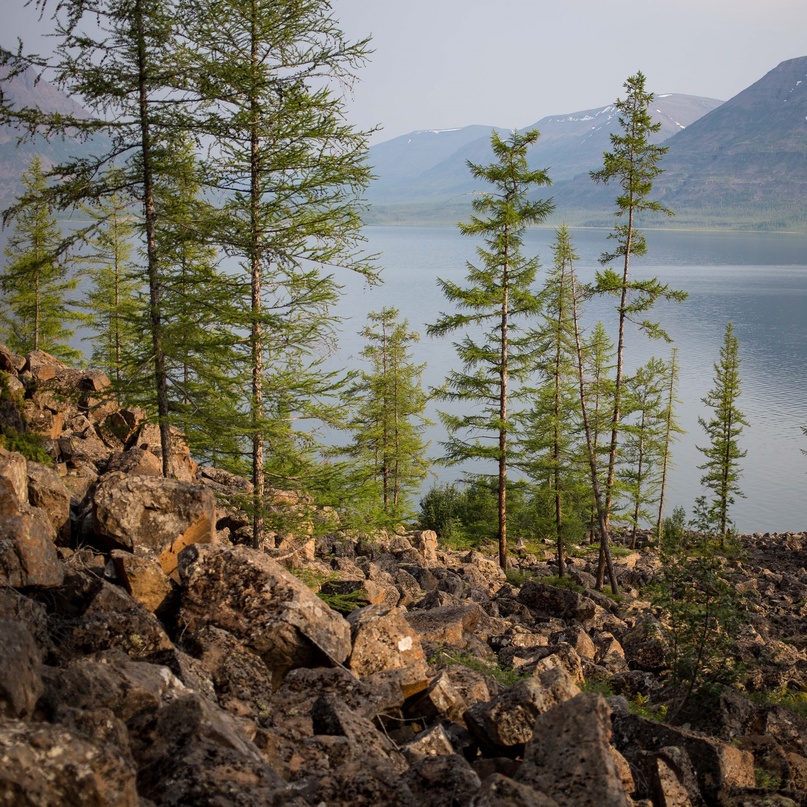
x=123, y=61
x=550, y=440
x=671, y=431
x=644, y=444
x=288, y=172
x=633, y=164
x=498, y=295
x=389, y=420
x=34, y=312
x=112, y=302
x=722, y=469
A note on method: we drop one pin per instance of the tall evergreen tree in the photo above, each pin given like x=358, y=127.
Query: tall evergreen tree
x=498, y=294
x=389, y=415
x=671, y=430
x=722, y=470
x=644, y=445
x=289, y=172
x=123, y=61
x=550, y=443
x=633, y=164
x=34, y=312
x=112, y=302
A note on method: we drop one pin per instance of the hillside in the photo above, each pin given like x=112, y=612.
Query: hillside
x=744, y=164
x=153, y=659
x=430, y=167
x=27, y=91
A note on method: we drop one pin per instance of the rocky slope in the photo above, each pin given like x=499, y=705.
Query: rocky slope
x=151, y=659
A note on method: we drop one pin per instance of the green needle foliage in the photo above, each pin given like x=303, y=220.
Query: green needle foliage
x=388, y=422
x=492, y=351
x=633, y=164
x=288, y=174
x=34, y=311
x=722, y=470
x=550, y=444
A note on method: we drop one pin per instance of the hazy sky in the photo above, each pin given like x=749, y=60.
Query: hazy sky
x=450, y=63
x=447, y=63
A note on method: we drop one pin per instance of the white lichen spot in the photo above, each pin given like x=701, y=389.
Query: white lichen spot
x=405, y=644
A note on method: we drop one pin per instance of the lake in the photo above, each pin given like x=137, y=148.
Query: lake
x=758, y=281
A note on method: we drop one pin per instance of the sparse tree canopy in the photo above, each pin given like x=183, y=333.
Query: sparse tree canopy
x=722, y=470
x=497, y=297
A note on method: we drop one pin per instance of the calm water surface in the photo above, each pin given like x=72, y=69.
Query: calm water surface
x=757, y=281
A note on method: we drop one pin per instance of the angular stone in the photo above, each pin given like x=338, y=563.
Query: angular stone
x=161, y=515
x=135, y=462
x=507, y=722
x=42, y=366
x=20, y=675
x=549, y=601
x=28, y=555
x=13, y=482
x=115, y=620
x=501, y=791
x=441, y=700
x=46, y=490
x=568, y=757
x=447, y=625
x=49, y=765
x=256, y=600
x=385, y=645
x=432, y=742
x=425, y=542
x=720, y=766
x=192, y=754
x=10, y=362
x=143, y=577
x=436, y=781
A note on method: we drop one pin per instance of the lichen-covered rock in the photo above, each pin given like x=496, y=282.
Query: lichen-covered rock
x=28, y=556
x=135, y=462
x=549, y=601
x=157, y=514
x=386, y=647
x=569, y=756
x=256, y=600
x=449, y=625
x=13, y=482
x=442, y=779
x=20, y=675
x=143, y=577
x=49, y=765
x=507, y=722
x=47, y=491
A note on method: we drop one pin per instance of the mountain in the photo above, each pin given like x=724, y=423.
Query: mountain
x=28, y=90
x=430, y=167
x=742, y=165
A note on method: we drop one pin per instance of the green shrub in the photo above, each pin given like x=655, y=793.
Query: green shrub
x=446, y=658
x=14, y=434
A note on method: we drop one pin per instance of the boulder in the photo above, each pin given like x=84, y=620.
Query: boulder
x=550, y=601
x=720, y=766
x=153, y=513
x=385, y=647
x=13, y=482
x=447, y=625
x=50, y=765
x=20, y=674
x=135, y=462
x=569, y=756
x=425, y=542
x=256, y=600
x=442, y=779
x=499, y=790
x=143, y=577
x=28, y=556
x=506, y=723
x=47, y=491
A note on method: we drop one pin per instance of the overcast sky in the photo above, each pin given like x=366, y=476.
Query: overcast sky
x=449, y=63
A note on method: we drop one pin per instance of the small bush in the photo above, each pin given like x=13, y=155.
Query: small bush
x=446, y=658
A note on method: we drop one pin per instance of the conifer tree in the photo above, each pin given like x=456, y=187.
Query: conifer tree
x=124, y=62
x=722, y=470
x=389, y=417
x=112, y=302
x=644, y=445
x=671, y=430
x=633, y=164
x=550, y=443
x=289, y=172
x=497, y=296
x=34, y=312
